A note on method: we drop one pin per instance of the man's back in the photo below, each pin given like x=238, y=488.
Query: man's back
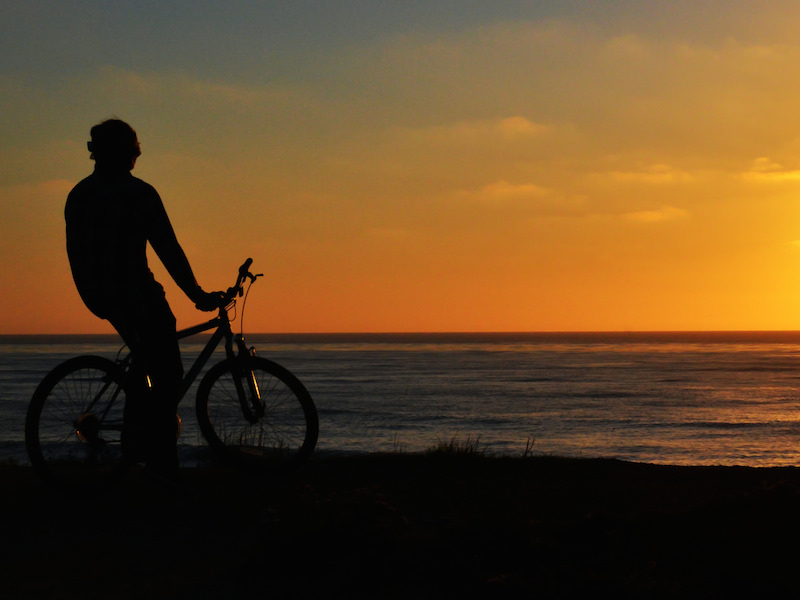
x=110, y=218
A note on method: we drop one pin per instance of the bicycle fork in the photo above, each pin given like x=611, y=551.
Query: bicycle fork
x=246, y=384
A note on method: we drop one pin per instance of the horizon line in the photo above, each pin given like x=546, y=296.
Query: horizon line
x=452, y=332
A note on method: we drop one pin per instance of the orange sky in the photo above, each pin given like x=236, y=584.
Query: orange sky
x=514, y=168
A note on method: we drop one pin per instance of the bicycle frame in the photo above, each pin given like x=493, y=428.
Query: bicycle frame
x=238, y=357
x=222, y=326
x=223, y=330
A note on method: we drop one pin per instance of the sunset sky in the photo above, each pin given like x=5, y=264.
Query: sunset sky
x=422, y=166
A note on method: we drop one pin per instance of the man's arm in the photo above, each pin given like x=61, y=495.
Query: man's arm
x=165, y=243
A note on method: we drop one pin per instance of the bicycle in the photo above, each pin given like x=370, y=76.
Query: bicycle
x=250, y=410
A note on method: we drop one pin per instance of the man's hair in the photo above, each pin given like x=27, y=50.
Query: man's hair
x=114, y=143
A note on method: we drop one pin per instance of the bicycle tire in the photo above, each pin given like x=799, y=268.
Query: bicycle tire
x=280, y=439
x=73, y=427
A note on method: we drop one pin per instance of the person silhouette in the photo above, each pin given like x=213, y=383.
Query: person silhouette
x=111, y=216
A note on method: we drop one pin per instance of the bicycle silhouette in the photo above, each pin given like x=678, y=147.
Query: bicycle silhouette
x=250, y=410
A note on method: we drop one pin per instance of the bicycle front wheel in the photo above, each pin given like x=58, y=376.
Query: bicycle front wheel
x=273, y=424
x=73, y=428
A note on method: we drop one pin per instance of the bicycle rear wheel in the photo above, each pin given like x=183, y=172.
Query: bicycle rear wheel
x=73, y=428
x=275, y=428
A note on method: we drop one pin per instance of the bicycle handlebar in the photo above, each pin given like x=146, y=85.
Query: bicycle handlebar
x=245, y=268
x=244, y=275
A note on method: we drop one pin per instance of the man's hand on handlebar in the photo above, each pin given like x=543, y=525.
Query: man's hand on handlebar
x=210, y=301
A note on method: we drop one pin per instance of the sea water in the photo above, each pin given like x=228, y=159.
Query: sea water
x=670, y=398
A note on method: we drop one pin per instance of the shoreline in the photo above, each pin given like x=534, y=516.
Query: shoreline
x=438, y=525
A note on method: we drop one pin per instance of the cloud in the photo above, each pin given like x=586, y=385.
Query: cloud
x=626, y=47
x=35, y=194
x=520, y=126
x=146, y=85
x=665, y=213
x=522, y=200
x=657, y=174
x=505, y=192
x=764, y=170
x=507, y=129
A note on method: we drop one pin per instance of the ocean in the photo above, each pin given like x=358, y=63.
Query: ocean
x=665, y=398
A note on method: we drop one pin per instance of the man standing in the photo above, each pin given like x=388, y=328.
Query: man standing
x=111, y=216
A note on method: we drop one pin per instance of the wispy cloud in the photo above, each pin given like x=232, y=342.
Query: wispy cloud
x=195, y=90
x=765, y=170
x=659, y=215
x=507, y=129
x=522, y=200
x=658, y=174
x=505, y=191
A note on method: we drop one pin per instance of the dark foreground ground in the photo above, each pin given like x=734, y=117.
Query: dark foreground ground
x=412, y=526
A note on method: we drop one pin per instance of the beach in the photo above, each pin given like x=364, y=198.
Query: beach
x=428, y=525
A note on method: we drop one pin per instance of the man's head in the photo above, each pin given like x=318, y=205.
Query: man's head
x=114, y=145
